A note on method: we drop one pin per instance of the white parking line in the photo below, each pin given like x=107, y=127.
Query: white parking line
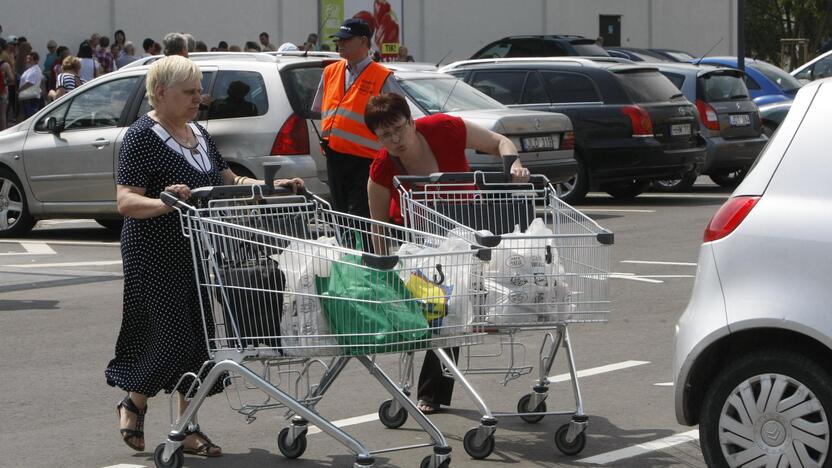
x=598, y=370
x=347, y=422
x=122, y=465
x=640, y=449
x=59, y=265
x=614, y=210
x=633, y=277
x=647, y=262
x=663, y=384
x=32, y=248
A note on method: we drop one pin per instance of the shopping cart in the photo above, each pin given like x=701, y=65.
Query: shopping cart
x=549, y=267
x=288, y=297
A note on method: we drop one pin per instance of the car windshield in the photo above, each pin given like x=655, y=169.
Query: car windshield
x=649, y=86
x=446, y=95
x=680, y=56
x=782, y=79
x=723, y=87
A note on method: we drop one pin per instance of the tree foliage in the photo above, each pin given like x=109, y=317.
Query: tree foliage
x=766, y=22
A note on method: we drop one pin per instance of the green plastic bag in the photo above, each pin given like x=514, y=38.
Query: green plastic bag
x=370, y=311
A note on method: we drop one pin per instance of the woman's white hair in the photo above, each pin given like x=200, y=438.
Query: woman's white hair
x=170, y=71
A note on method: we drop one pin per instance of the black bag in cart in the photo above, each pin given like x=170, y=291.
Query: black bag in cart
x=252, y=302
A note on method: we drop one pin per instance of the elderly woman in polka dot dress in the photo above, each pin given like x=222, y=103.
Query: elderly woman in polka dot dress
x=161, y=335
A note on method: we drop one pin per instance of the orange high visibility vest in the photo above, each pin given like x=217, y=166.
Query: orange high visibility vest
x=342, y=113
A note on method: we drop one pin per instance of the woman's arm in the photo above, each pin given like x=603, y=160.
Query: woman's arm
x=378, y=197
x=132, y=202
x=486, y=141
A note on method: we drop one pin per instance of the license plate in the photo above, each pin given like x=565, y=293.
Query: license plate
x=539, y=143
x=739, y=120
x=680, y=129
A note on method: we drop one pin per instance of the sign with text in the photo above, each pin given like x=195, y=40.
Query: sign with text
x=383, y=17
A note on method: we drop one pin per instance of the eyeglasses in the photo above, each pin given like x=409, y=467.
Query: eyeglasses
x=397, y=130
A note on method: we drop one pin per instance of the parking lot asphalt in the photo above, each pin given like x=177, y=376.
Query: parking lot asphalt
x=60, y=310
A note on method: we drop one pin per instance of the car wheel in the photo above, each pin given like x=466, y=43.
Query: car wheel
x=728, y=178
x=769, y=408
x=627, y=189
x=15, y=219
x=573, y=190
x=676, y=185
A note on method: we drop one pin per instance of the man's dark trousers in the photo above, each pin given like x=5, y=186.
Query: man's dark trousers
x=347, y=177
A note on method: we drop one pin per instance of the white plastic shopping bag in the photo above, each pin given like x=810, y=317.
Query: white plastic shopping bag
x=446, y=283
x=303, y=322
x=525, y=279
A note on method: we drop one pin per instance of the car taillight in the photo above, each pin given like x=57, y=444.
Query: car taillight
x=707, y=115
x=568, y=141
x=728, y=217
x=293, y=137
x=640, y=120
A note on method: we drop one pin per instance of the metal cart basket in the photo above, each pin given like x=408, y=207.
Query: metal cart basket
x=285, y=288
x=548, y=268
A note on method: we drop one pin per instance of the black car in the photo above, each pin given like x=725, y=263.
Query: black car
x=729, y=121
x=631, y=124
x=541, y=46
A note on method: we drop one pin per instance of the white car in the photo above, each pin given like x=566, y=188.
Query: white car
x=754, y=346
x=815, y=69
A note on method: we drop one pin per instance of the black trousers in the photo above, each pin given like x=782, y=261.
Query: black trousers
x=348, y=177
x=434, y=387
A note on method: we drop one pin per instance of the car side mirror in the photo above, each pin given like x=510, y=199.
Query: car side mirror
x=52, y=126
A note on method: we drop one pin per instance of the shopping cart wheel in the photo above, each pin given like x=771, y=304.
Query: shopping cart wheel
x=523, y=407
x=175, y=461
x=477, y=452
x=569, y=448
x=393, y=421
x=428, y=459
x=294, y=450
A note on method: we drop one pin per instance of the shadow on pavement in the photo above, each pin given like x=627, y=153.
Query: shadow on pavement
x=260, y=457
x=75, y=234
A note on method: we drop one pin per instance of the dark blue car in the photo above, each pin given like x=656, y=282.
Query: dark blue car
x=766, y=82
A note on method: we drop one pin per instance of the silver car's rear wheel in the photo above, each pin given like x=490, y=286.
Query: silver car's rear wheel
x=14, y=212
x=768, y=410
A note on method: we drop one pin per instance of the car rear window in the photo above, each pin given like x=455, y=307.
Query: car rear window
x=589, y=49
x=782, y=79
x=570, y=87
x=504, y=86
x=238, y=94
x=301, y=84
x=675, y=78
x=446, y=95
x=722, y=87
x=648, y=86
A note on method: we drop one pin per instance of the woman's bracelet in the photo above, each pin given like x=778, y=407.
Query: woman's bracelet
x=239, y=180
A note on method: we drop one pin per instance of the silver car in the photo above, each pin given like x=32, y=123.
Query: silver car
x=61, y=162
x=754, y=345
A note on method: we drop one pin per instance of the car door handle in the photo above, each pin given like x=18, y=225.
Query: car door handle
x=100, y=142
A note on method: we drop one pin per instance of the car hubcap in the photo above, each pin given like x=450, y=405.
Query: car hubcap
x=11, y=204
x=773, y=420
x=566, y=187
x=668, y=183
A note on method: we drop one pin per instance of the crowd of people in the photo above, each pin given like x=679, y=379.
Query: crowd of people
x=29, y=79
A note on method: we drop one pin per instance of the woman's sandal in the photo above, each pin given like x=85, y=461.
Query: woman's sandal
x=427, y=407
x=206, y=448
x=134, y=438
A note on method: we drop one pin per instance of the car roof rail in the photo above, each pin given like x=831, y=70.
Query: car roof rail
x=304, y=53
x=581, y=61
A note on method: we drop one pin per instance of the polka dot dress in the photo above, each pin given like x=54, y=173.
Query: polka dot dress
x=161, y=334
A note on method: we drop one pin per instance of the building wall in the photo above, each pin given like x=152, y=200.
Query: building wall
x=431, y=28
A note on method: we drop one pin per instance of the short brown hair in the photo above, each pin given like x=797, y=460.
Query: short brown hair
x=71, y=63
x=385, y=110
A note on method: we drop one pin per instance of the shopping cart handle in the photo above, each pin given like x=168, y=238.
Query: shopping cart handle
x=479, y=177
x=170, y=199
x=238, y=191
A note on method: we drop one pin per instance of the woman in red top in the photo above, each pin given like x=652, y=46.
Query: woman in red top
x=431, y=144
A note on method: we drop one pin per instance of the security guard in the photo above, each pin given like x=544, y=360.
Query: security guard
x=342, y=95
